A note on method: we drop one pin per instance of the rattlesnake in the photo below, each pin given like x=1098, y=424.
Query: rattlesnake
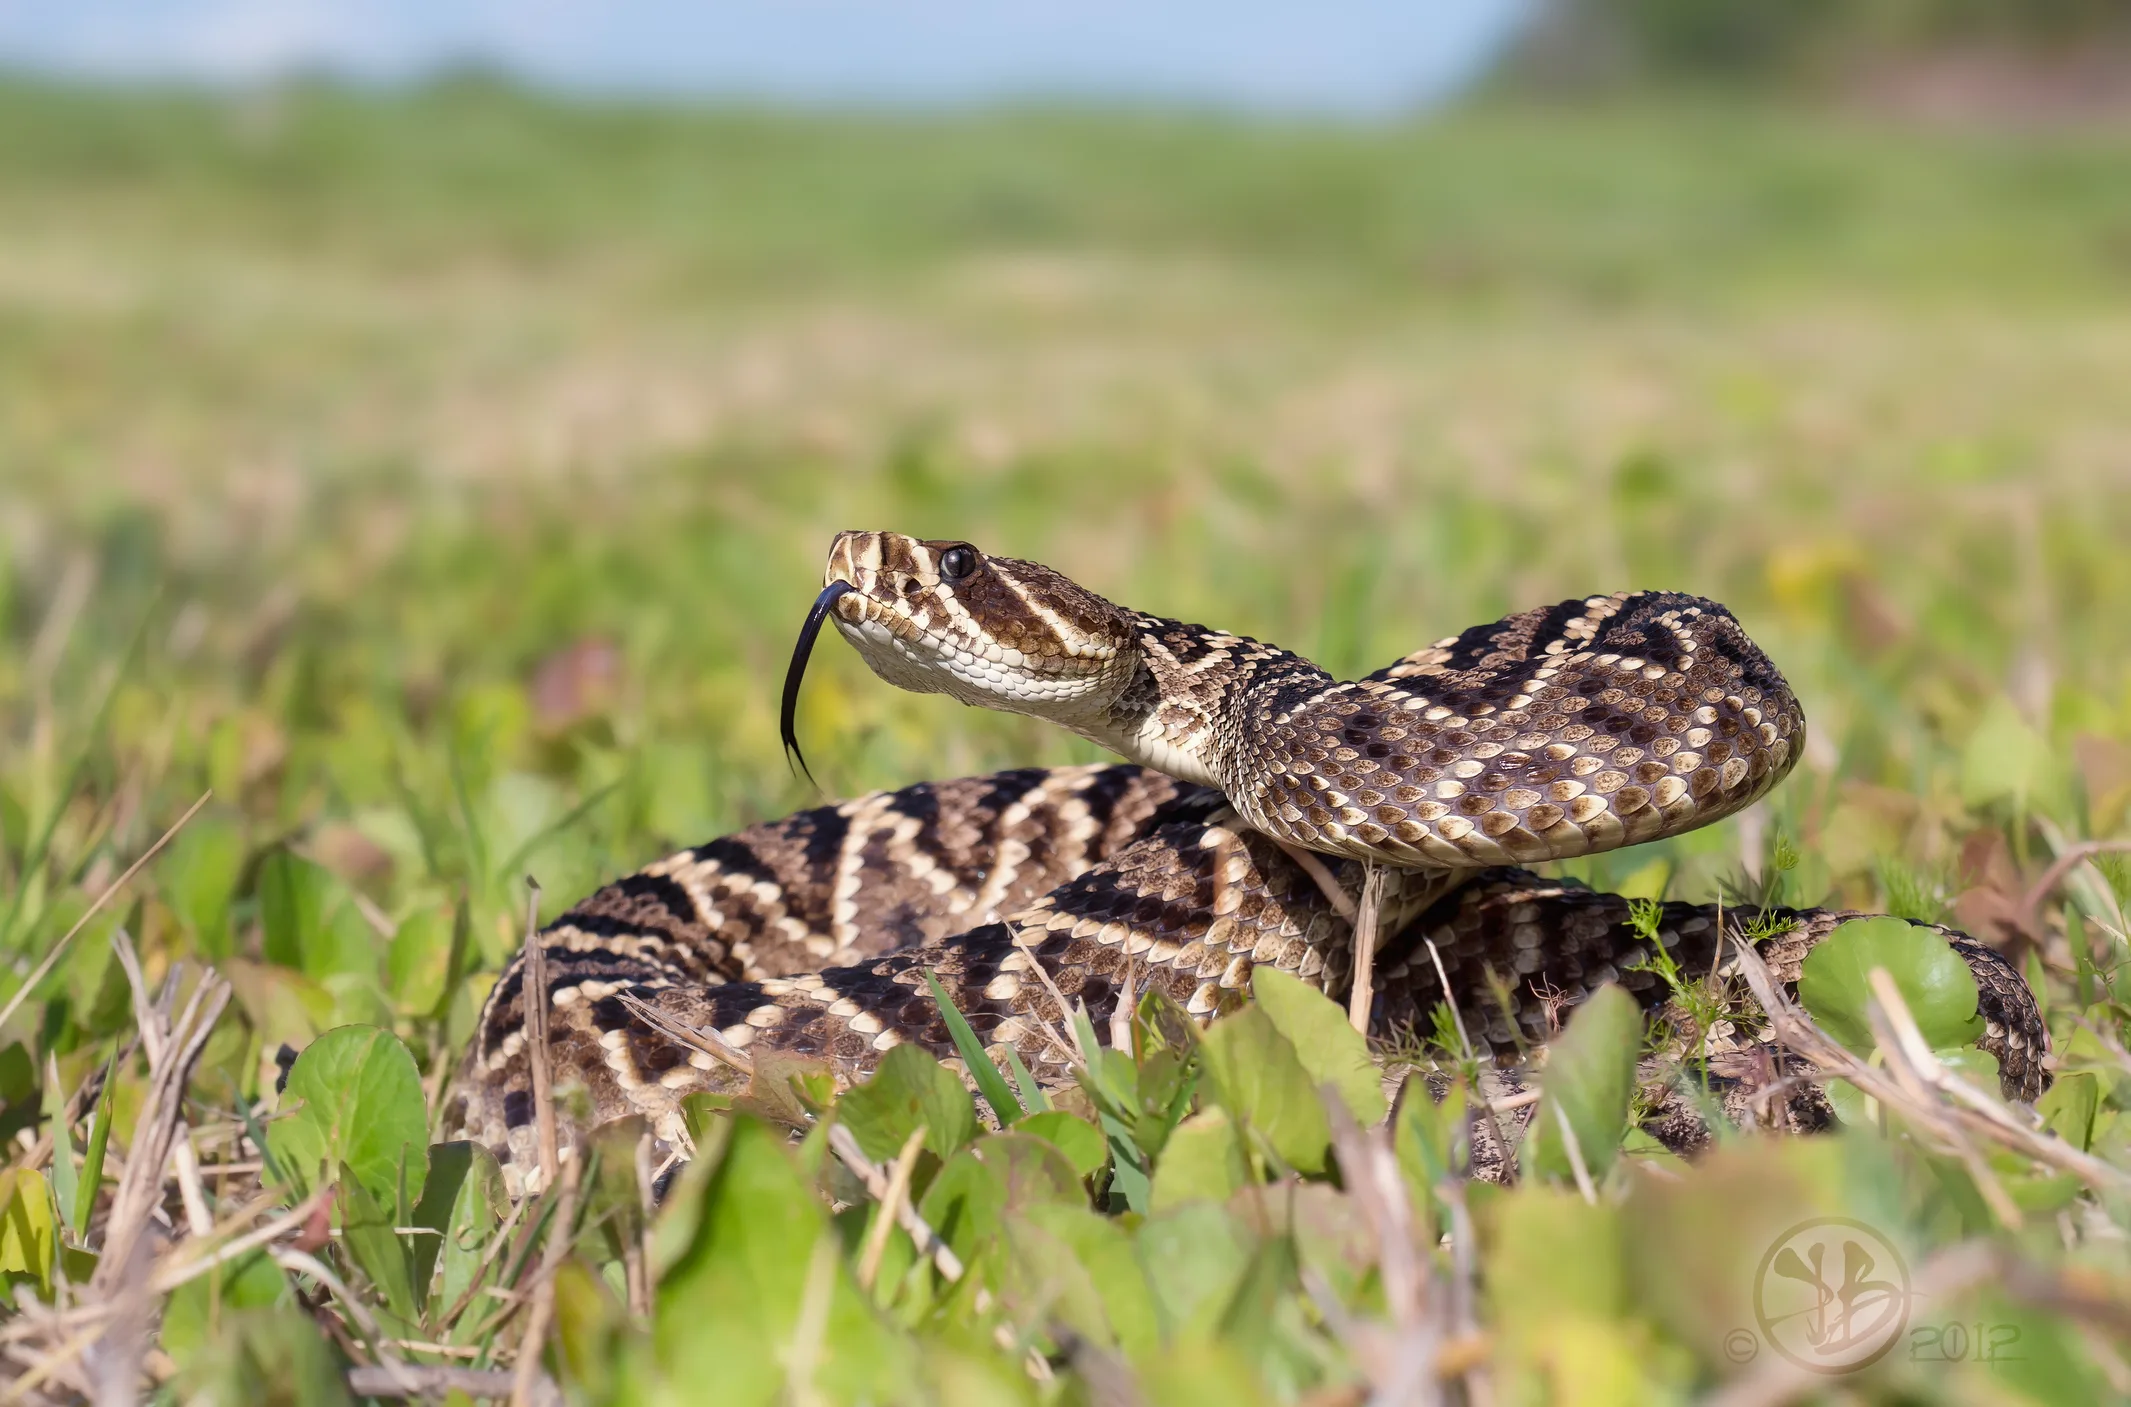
x=1553, y=733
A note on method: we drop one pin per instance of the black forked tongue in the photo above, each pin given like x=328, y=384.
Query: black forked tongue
x=788, y=715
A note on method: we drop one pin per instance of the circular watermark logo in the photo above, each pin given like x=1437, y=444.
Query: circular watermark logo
x=1832, y=1295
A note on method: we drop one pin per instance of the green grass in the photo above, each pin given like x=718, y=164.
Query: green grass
x=328, y=423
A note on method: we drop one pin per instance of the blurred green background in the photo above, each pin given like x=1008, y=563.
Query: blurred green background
x=439, y=475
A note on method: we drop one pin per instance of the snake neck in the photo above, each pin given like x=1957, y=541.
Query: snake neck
x=1193, y=705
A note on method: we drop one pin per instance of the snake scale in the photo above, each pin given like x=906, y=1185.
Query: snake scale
x=1255, y=786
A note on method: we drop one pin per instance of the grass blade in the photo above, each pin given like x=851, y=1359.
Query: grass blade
x=55, y=1109
x=570, y=818
x=990, y=1083
x=92, y=1163
x=1032, y=1096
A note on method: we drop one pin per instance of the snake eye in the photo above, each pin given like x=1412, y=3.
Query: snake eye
x=958, y=562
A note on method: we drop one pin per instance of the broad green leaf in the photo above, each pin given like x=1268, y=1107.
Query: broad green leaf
x=1429, y=1139
x=1592, y=1363
x=1978, y=1067
x=1165, y=1081
x=587, y=1316
x=1194, y=1257
x=2021, y=1353
x=1041, y=1279
x=21, y=1094
x=269, y=1356
x=1263, y=1320
x=28, y=1239
x=1690, y=1244
x=368, y=1234
x=252, y=1281
x=357, y=1000
x=1035, y=1171
x=909, y=1090
x=1260, y=1080
x=1552, y=1254
x=450, y=1165
x=361, y=1104
x=788, y=1088
x=1105, y=1250
x=701, y=1110
x=198, y=876
x=292, y=903
x=418, y=965
x=1081, y=1142
x=1205, y=1161
x=1589, y=1077
x=1200, y=1372
x=1332, y=1235
x=1329, y=1047
x=731, y=1301
x=2068, y=1108
x=1936, y=985
x=2005, y=759
x=1007, y=1171
x=479, y=1202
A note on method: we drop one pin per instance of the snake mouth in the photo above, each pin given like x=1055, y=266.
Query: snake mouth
x=802, y=650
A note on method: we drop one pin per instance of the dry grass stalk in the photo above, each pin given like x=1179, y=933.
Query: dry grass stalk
x=708, y=1041
x=533, y=1000
x=1367, y=920
x=844, y=1144
x=186, y=1262
x=38, y=975
x=1371, y=1172
x=429, y=1382
x=802, y=1352
x=1342, y=903
x=526, y=1383
x=1065, y=1011
x=1958, y=1106
x=636, y=1250
x=1127, y=999
x=1521, y=1099
x=198, y=1220
x=2073, y=856
x=869, y=1261
x=1573, y=1146
x=878, y=1186
x=1894, y=1027
x=304, y=1263
x=1435, y=955
x=173, y=1050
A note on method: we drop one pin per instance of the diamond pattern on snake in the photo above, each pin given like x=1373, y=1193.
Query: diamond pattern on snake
x=1253, y=784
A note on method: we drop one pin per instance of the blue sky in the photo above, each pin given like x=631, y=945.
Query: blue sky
x=1360, y=57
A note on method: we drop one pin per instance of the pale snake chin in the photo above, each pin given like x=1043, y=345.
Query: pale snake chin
x=1556, y=732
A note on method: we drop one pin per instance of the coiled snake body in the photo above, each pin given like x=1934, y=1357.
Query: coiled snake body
x=1553, y=733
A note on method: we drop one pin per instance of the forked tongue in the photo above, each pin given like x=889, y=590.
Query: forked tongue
x=804, y=647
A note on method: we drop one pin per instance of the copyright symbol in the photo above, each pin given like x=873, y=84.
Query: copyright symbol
x=1740, y=1346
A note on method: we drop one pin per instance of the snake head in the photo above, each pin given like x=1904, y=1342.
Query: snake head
x=942, y=617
